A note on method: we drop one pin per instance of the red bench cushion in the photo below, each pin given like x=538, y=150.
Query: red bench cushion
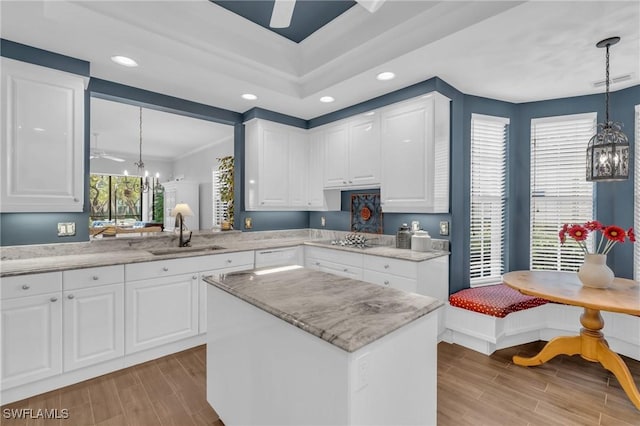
x=497, y=300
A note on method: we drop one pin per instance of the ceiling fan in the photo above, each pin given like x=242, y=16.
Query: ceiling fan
x=95, y=153
x=283, y=11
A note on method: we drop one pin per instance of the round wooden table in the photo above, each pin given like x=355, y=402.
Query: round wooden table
x=564, y=287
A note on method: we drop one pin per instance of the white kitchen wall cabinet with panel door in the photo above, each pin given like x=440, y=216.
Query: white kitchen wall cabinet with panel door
x=317, y=197
x=42, y=151
x=181, y=191
x=31, y=343
x=415, y=148
x=352, y=152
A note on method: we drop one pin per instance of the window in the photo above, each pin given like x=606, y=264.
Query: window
x=489, y=136
x=559, y=190
x=115, y=198
x=636, y=225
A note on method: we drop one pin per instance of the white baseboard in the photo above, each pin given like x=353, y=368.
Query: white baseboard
x=65, y=379
x=486, y=333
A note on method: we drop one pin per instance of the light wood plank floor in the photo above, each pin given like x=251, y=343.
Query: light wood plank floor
x=473, y=389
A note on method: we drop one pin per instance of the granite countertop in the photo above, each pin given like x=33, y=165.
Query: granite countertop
x=345, y=312
x=52, y=257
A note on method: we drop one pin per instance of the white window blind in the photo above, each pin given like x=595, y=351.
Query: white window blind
x=559, y=190
x=219, y=208
x=489, y=137
x=636, y=186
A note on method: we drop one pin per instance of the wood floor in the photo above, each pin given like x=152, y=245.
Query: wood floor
x=473, y=389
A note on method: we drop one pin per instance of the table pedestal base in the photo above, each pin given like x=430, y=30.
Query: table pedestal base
x=590, y=345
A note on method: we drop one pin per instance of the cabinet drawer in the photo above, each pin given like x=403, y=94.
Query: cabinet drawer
x=403, y=268
x=226, y=260
x=160, y=268
x=92, y=277
x=279, y=256
x=30, y=285
x=336, y=256
x=393, y=281
x=342, y=270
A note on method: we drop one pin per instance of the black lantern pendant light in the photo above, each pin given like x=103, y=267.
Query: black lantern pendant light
x=608, y=150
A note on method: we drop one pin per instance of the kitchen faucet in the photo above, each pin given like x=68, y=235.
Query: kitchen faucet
x=180, y=222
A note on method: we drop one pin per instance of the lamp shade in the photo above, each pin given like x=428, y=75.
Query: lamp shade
x=182, y=208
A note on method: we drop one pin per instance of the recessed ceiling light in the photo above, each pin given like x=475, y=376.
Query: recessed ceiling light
x=326, y=99
x=123, y=60
x=249, y=96
x=387, y=75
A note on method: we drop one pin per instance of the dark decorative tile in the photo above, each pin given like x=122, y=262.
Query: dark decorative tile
x=366, y=213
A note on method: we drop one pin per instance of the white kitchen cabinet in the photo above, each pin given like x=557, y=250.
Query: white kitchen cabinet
x=415, y=148
x=160, y=310
x=275, y=166
x=318, y=198
x=176, y=192
x=42, y=138
x=93, y=325
x=352, y=153
x=93, y=315
x=31, y=338
x=342, y=263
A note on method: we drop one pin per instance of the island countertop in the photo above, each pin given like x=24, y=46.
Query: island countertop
x=345, y=312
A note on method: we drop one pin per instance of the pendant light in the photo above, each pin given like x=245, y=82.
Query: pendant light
x=140, y=164
x=608, y=150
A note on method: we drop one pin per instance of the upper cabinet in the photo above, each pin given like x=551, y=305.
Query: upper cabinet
x=42, y=139
x=352, y=153
x=415, y=148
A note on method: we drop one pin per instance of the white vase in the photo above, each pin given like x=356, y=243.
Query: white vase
x=594, y=272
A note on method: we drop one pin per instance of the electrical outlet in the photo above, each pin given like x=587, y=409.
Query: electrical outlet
x=323, y=221
x=363, y=371
x=444, y=227
x=247, y=223
x=66, y=229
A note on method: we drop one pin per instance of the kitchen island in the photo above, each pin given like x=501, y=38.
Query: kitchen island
x=300, y=347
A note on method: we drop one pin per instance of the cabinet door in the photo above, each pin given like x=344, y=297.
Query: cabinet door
x=336, y=153
x=93, y=325
x=316, y=161
x=273, y=188
x=160, y=311
x=364, y=151
x=31, y=339
x=298, y=170
x=42, y=139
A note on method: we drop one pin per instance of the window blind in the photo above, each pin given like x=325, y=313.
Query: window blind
x=636, y=186
x=219, y=208
x=489, y=137
x=559, y=190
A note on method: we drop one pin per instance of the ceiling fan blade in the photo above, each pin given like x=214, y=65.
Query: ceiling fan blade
x=282, y=13
x=111, y=157
x=371, y=5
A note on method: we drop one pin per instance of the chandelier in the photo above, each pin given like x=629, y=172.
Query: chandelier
x=608, y=150
x=140, y=164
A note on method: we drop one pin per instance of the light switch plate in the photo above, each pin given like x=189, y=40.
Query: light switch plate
x=66, y=229
x=444, y=227
x=247, y=223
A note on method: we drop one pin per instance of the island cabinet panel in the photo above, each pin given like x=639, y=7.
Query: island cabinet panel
x=31, y=338
x=160, y=310
x=336, y=262
x=415, y=148
x=287, y=376
x=42, y=151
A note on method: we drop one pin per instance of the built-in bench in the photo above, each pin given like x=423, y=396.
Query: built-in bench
x=494, y=317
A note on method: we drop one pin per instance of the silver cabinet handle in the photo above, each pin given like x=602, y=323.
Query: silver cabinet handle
x=386, y=266
x=229, y=261
x=71, y=296
x=165, y=269
x=386, y=282
x=195, y=277
x=54, y=299
x=25, y=287
x=95, y=278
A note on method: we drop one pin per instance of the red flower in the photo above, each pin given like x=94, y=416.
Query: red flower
x=578, y=232
x=631, y=235
x=614, y=233
x=563, y=236
x=594, y=225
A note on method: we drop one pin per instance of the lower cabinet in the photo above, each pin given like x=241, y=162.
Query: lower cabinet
x=31, y=338
x=160, y=310
x=342, y=263
x=93, y=325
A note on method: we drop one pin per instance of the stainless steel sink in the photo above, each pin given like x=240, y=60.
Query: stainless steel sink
x=178, y=250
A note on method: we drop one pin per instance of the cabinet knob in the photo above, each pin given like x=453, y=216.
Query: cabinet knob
x=95, y=278
x=386, y=266
x=317, y=263
x=262, y=202
x=75, y=200
x=229, y=261
x=195, y=277
x=345, y=270
x=25, y=287
x=386, y=282
x=165, y=269
x=350, y=181
x=344, y=181
x=54, y=299
x=71, y=296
